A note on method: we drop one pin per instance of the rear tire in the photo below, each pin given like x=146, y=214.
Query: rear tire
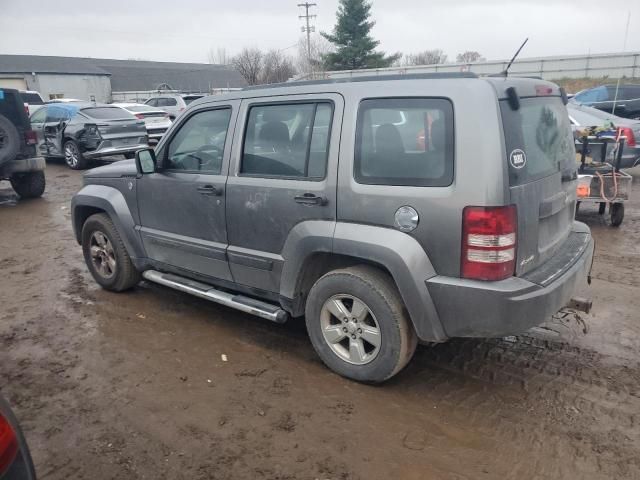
x=9, y=140
x=348, y=347
x=602, y=207
x=106, y=255
x=73, y=156
x=29, y=185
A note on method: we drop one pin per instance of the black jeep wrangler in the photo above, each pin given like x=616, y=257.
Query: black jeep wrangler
x=18, y=159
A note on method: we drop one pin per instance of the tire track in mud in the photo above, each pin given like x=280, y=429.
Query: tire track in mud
x=555, y=396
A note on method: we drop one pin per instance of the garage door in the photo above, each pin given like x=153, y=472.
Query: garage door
x=17, y=83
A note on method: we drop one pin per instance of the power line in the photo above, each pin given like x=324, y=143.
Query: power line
x=309, y=28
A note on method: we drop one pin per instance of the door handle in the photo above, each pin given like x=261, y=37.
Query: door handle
x=310, y=199
x=209, y=190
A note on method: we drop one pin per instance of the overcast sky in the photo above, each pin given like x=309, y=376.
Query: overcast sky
x=185, y=30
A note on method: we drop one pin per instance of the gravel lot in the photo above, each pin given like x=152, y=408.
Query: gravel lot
x=133, y=385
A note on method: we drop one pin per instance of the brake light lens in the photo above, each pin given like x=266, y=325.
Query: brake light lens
x=8, y=445
x=628, y=133
x=30, y=137
x=488, y=242
x=139, y=116
x=543, y=90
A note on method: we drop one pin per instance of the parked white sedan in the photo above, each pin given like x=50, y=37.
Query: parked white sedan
x=157, y=121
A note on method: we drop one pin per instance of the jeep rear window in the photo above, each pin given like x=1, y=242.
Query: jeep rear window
x=538, y=139
x=405, y=141
x=107, y=113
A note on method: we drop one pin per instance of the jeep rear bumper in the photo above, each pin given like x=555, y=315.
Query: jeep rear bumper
x=24, y=165
x=470, y=308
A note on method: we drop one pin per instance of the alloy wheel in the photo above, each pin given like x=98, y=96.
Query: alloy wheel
x=71, y=155
x=350, y=329
x=103, y=256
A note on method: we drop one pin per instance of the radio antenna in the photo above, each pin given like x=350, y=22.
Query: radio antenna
x=505, y=72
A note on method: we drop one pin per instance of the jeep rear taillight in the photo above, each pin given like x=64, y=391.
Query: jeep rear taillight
x=8, y=445
x=30, y=137
x=488, y=242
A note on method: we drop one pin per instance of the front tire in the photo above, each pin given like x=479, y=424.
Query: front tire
x=358, y=325
x=130, y=155
x=106, y=255
x=73, y=156
x=29, y=185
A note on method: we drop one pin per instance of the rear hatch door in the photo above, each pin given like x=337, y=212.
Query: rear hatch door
x=540, y=155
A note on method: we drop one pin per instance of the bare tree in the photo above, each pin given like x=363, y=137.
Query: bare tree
x=276, y=67
x=320, y=46
x=426, y=57
x=249, y=64
x=218, y=56
x=469, y=56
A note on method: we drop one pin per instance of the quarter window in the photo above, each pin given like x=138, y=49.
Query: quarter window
x=404, y=141
x=287, y=140
x=199, y=144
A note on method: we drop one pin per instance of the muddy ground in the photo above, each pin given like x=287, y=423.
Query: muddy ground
x=128, y=386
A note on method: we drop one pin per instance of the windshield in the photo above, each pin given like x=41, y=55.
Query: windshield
x=107, y=113
x=538, y=139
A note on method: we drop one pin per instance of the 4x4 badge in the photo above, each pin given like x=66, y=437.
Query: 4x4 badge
x=518, y=158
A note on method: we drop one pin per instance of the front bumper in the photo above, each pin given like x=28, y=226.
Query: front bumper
x=24, y=165
x=470, y=308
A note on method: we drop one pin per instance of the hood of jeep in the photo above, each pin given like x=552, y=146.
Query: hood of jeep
x=123, y=168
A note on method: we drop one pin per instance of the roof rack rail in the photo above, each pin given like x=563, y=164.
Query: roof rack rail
x=367, y=78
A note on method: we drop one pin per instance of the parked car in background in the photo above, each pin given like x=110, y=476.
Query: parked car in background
x=19, y=162
x=582, y=117
x=79, y=132
x=65, y=100
x=174, y=104
x=627, y=102
x=382, y=230
x=157, y=121
x=15, y=458
x=32, y=101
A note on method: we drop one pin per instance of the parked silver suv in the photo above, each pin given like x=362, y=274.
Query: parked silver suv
x=386, y=211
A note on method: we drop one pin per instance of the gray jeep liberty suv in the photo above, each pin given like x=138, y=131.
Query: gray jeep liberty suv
x=385, y=210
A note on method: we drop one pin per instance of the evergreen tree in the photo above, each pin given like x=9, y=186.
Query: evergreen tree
x=354, y=46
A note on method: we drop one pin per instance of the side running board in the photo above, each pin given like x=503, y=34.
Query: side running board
x=259, y=308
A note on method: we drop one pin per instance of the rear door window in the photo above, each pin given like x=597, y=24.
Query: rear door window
x=405, y=141
x=287, y=140
x=538, y=137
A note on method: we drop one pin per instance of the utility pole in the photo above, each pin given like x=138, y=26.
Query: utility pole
x=308, y=28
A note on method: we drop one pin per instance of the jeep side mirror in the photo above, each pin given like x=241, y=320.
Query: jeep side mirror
x=145, y=161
